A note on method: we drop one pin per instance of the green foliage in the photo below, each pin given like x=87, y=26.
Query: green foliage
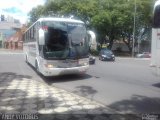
x=36, y=13
x=94, y=52
x=113, y=18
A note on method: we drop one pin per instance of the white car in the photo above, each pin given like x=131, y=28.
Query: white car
x=144, y=55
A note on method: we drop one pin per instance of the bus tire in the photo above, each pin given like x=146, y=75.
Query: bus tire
x=37, y=67
x=26, y=59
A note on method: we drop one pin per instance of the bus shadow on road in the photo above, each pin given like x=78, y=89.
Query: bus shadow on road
x=63, y=78
x=66, y=78
x=85, y=91
x=157, y=85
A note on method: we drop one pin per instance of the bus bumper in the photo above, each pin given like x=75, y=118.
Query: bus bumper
x=64, y=71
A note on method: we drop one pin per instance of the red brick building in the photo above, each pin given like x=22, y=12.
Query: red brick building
x=16, y=40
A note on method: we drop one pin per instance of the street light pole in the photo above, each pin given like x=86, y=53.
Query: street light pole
x=134, y=27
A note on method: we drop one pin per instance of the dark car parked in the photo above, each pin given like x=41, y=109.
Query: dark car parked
x=106, y=54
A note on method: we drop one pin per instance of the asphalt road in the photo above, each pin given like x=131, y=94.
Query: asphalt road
x=126, y=85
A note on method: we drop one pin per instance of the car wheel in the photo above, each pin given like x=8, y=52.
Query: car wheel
x=113, y=59
x=93, y=62
x=101, y=59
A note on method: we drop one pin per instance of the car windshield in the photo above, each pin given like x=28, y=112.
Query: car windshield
x=107, y=52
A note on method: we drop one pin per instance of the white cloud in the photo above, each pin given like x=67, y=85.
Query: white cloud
x=22, y=7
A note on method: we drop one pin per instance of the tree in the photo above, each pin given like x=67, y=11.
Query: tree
x=106, y=17
x=36, y=13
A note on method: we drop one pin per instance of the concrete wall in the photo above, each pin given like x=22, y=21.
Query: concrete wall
x=123, y=47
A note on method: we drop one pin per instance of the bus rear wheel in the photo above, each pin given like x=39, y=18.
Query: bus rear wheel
x=37, y=67
x=27, y=59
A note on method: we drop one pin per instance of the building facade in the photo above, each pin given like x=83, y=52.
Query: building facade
x=8, y=27
x=15, y=41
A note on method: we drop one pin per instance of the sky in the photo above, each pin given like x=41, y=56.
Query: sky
x=19, y=9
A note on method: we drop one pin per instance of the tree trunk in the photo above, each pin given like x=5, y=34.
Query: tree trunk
x=111, y=40
x=110, y=44
x=128, y=43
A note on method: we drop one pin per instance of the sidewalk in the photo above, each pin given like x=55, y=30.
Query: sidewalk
x=10, y=51
x=22, y=95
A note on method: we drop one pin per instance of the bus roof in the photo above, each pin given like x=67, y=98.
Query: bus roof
x=60, y=19
x=56, y=19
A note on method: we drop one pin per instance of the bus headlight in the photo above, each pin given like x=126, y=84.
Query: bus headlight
x=83, y=64
x=49, y=66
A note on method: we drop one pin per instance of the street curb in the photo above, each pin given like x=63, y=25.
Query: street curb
x=10, y=50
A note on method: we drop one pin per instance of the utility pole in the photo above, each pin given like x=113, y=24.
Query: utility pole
x=134, y=27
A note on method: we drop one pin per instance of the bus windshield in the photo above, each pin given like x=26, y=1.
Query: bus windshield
x=65, y=40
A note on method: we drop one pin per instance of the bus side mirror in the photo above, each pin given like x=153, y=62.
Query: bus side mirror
x=41, y=39
x=92, y=40
x=70, y=39
x=156, y=17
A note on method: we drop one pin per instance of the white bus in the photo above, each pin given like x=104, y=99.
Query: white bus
x=57, y=46
x=155, y=49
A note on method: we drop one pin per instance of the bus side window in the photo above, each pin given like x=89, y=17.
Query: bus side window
x=156, y=18
x=31, y=31
x=37, y=26
x=35, y=32
x=25, y=37
x=29, y=35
